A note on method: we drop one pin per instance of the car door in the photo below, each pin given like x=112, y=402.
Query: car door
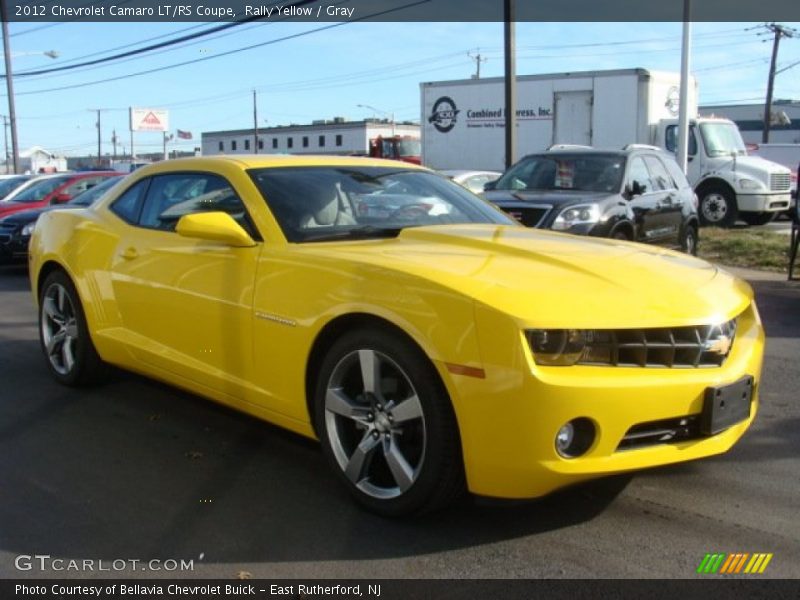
x=643, y=198
x=668, y=207
x=186, y=303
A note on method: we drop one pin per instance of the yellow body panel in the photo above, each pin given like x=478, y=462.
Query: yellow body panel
x=238, y=324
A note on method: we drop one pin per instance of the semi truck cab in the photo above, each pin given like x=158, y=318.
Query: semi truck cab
x=730, y=185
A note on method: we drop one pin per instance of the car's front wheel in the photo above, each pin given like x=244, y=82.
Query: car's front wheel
x=688, y=240
x=64, y=335
x=386, y=424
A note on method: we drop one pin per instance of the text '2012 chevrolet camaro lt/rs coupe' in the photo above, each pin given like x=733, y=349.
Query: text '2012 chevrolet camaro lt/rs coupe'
x=433, y=347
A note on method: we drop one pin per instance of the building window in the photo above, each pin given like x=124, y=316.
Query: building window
x=305, y=141
x=274, y=143
x=222, y=146
x=260, y=144
x=233, y=144
x=339, y=140
x=322, y=141
x=247, y=144
x=289, y=142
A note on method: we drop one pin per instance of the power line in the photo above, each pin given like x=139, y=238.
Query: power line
x=227, y=53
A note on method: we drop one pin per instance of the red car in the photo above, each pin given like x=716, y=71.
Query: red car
x=52, y=189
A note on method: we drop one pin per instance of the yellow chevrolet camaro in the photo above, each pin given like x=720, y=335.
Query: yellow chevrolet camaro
x=430, y=343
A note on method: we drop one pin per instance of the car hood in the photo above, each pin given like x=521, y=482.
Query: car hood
x=556, y=280
x=753, y=166
x=26, y=216
x=7, y=208
x=554, y=198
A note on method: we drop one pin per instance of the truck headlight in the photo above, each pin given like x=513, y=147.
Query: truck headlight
x=580, y=214
x=751, y=185
x=557, y=347
x=27, y=230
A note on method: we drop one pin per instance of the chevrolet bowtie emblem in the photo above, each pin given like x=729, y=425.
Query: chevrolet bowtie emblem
x=721, y=345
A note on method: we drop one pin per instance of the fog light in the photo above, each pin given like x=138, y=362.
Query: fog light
x=575, y=437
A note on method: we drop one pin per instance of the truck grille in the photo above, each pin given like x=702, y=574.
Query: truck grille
x=530, y=216
x=780, y=182
x=666, y=347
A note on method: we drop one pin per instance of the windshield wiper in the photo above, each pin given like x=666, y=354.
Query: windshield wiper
x=362, y=232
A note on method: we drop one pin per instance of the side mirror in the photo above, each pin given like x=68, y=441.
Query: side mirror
x=490, y=185
x=633, y=189
x=214, y=227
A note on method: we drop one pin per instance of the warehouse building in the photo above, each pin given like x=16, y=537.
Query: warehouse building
x=784, y=127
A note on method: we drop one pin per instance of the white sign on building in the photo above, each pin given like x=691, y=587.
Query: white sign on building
x=149, y=119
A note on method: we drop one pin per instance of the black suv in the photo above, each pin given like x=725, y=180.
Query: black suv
x=638, y=193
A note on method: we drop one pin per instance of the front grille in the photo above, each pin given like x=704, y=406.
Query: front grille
x=780, y=182
x=661, y=432
x=530, y=216
x=667, y=347
x=5, y=238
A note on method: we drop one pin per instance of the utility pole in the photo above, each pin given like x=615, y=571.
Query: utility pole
x=683, y=104
x=12, y=113
x=778, y=32
x=99, y=136
x=255, y=124
x=114, y=144
x=5, y=137
x=509, y=28
x=478, y=60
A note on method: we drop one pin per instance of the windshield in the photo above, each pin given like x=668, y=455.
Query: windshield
x=722, y=138
x=409, y=148
x=88, y=197
x=326, y=203
x=9, y=185
x=578, y=172
x=38, y=190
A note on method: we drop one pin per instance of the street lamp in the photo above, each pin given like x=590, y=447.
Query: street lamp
x=12, y=113
x=378, y=110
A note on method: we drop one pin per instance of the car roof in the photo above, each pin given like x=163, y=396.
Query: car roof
x=257, y=161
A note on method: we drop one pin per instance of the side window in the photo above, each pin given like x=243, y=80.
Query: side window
x=128, y=205
x=677, y=175
x=82, y=185
x=658, y=173
x=172, y=196
x=638, y=174
x=247, y=144
x=221, y=146
x=671, y=140
x=233, y=144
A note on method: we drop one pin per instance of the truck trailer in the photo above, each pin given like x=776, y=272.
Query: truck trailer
x=463, y=127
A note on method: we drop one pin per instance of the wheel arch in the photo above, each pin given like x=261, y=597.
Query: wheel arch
x=340, y=325
x=626, y=226
x=711, y=182
x=48, y=267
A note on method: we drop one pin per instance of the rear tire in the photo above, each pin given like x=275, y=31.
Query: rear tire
x=386, y=424
x=718, y=207
x=64, y=335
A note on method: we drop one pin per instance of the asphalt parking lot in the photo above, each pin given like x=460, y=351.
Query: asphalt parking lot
x=138, y=470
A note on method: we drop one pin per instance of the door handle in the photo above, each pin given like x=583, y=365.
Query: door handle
x=129, y=253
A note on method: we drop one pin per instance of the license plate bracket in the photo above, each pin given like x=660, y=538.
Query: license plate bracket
x=726, y=405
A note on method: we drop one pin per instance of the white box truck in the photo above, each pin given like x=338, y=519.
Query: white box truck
x=463, y=126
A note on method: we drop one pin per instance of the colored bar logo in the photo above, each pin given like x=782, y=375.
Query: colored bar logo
x=737, y=563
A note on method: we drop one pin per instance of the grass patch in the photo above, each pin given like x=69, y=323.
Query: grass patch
x=751, y=247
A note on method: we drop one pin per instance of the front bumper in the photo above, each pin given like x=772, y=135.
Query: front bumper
x=510, y=419
x=13, y=247
x=764, y=202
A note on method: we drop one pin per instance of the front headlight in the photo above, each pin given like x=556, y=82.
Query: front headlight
x=580, y=214
x=750, y=185
x=27, y=230
x=557, y=347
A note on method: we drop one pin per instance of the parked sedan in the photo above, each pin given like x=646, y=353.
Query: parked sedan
x=638, y=193
x=429, y=354
x=47, y=190
x=16, y=228
x=474, y=181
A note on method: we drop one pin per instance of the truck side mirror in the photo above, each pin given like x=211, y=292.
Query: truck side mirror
x=490, y=185
x=633, y=189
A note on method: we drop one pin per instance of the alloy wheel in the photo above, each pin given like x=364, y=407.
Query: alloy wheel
x=59, y=328
x=375, y=424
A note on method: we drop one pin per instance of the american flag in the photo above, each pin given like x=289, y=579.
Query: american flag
x=184, y=135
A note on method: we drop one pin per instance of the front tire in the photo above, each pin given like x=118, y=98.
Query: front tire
x=689, y=239
x=718, y=207
x=386, y=424
x=64, y=335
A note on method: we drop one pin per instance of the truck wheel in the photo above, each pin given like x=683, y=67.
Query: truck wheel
x=753, y=218
x=718, y=207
